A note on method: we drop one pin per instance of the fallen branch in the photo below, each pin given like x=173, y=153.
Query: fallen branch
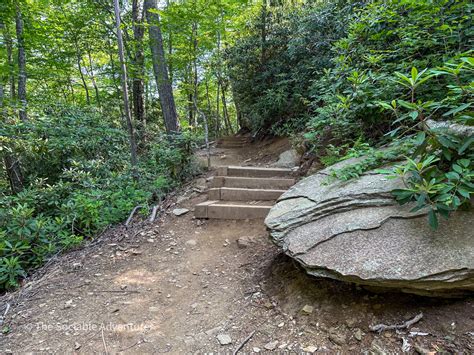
x=116, y=291
x=2, y=319
x=153, y=213
x=129, y=219
x=242, y=344
x=103, y=342
x=382, y=327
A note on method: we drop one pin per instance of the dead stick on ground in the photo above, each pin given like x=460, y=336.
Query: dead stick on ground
x=153, y=213
x=382, y=327
x=116, y=291
x=129, y=219
x=103, y=341
x=242, y=344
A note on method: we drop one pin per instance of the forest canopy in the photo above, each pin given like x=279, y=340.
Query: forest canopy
x=89, y=129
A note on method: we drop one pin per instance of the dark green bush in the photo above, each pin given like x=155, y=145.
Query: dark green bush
x=78, y=181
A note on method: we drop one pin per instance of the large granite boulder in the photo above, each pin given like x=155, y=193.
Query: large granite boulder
x=355, y=231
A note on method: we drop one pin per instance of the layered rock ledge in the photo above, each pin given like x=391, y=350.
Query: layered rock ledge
x=356, y=232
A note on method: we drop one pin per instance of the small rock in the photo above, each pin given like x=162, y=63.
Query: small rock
x=181, y=199
x=224, y=339
x=68, y=304
x=310, y=349
x=213, y=331
x=77, y=346
x=76, y=266
x=256, y=350
x=245, y=242
x=387, y=335
x=337, y=338
x=421, y=350
x=351, y=322
x=358, y=334
x=307, y=309
x=191, y=242
x=180, y=211
x=271, y=345
x=377, y=348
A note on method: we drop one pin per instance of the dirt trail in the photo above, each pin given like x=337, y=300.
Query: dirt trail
x=176, y=285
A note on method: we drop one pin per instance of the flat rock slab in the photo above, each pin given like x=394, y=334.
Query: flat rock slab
x=180, y=211
x=356, y=232
x=224, y=339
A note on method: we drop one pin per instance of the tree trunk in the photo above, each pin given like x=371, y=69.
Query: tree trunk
x=263, y=34
x=21, y=63
x=79, y=68
x=225, y=113
x=128, y=116
x=15, y=178
x=237, y=107
x=114, y=80
x=195, y=70
x=218, y=117
x=206, y=132
x=138, y=87
x=160, y=68
x=12, y=166
x=91, y=73
x=11, y=64
x=170, y=50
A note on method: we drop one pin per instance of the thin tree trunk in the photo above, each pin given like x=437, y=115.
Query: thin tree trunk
x=11, y=64
x=206, y=132
x=114, y=80
x=81, y=74
x=12, y=166
x=91, y=74
x=218, y=76
x=237, y=107
x=21, y=63
x=195, y=70
x=225, y=112
x=208, y=99
x=170, y=50
x=138, y=87
x=263, y=34
x=15, y=178
x=128, y=116
x=218, y=117
x=71, y=88
x=160, y=68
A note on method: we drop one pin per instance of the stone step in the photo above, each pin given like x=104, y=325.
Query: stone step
x=251, y=171
x=234, y=139
x=252, y=182
x=241, y=194
x=231, y=145
x=233, y=142
x=231, y=210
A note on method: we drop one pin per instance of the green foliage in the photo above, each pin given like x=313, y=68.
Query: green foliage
x=376, y=74
x=78, y=176
x=272, y=74
x=440, y=176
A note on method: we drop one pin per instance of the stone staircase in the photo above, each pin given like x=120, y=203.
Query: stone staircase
x=233, y=142
x=239, y=192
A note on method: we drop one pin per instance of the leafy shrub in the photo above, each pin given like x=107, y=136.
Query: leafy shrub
x=78, y=181
x=271, y=78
